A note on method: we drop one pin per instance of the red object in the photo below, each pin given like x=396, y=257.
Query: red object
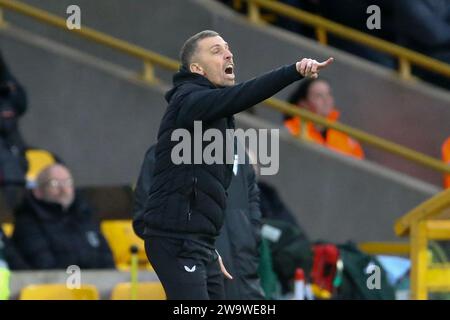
x=299, y=289
x=299, y=274
x=324, y=265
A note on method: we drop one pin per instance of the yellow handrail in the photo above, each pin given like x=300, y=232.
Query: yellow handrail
x=428, y=221
x=362, y=136
x=385, y=248
x=425, y=275
x=322, y=25
x=147, y=56
x=150, y=58
x=430, y=208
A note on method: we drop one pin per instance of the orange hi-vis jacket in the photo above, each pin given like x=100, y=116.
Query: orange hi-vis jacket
x=335, y=140
x=446, y=159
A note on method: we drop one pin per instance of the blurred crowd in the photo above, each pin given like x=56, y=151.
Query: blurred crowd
x=419, y=25
x=54, y=225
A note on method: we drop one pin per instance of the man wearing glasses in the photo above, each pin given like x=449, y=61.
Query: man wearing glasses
x=55, y=227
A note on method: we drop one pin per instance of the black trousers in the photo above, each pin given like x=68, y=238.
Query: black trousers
x=186, y=269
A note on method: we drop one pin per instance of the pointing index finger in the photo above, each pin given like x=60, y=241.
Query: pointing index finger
x=325, y=63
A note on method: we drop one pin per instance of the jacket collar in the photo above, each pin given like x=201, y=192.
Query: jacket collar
x=45, y=210
x=185, y=76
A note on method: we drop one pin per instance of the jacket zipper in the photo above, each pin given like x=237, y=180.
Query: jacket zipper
x=193, y=197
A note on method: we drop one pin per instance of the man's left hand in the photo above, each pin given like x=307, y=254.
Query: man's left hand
x=222, y=268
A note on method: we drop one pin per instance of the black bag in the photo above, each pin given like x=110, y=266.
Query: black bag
x=355, y=277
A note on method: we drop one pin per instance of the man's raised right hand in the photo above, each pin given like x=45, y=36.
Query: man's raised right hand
x=309, y=68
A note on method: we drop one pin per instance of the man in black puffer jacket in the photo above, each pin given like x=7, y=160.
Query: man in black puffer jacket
x=240, y=237
x=185, y=208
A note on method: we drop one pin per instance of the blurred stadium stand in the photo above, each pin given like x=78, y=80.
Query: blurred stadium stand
x=112, y=118
x=103, y=280
x=85, y=95
x=370, y=97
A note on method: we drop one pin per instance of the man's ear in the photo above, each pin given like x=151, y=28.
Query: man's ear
x=196, y=68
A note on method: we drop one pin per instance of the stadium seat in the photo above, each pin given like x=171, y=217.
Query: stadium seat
x=120, y=236
x=37, y=159
x=58, y=292
x=8, y=229
x=145, y=291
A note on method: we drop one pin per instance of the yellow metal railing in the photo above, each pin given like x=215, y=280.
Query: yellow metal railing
x=428, y=221
x=323, y=26
x=385, y=248
x=362, y=136
x=150, y=59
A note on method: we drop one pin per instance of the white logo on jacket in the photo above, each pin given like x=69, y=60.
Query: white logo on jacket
x=190, y=269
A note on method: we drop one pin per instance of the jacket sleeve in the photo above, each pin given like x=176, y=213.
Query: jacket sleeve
x=32, y=243
x=212, y=104
x=17, y=96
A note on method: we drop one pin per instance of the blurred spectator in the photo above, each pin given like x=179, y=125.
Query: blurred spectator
x=353, y=13
x=446, y=159
x=424, y=26
x=240, y=238
x=272, y=206
x=315, y=95
x=12, y=93
x=13, y=164
x=11, y=256
x=55, y=228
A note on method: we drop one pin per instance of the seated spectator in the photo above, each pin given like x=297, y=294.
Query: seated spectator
x=446, y=159
x=424, y=26
x=55, y=228
x=13, y=164
x=315, y=95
